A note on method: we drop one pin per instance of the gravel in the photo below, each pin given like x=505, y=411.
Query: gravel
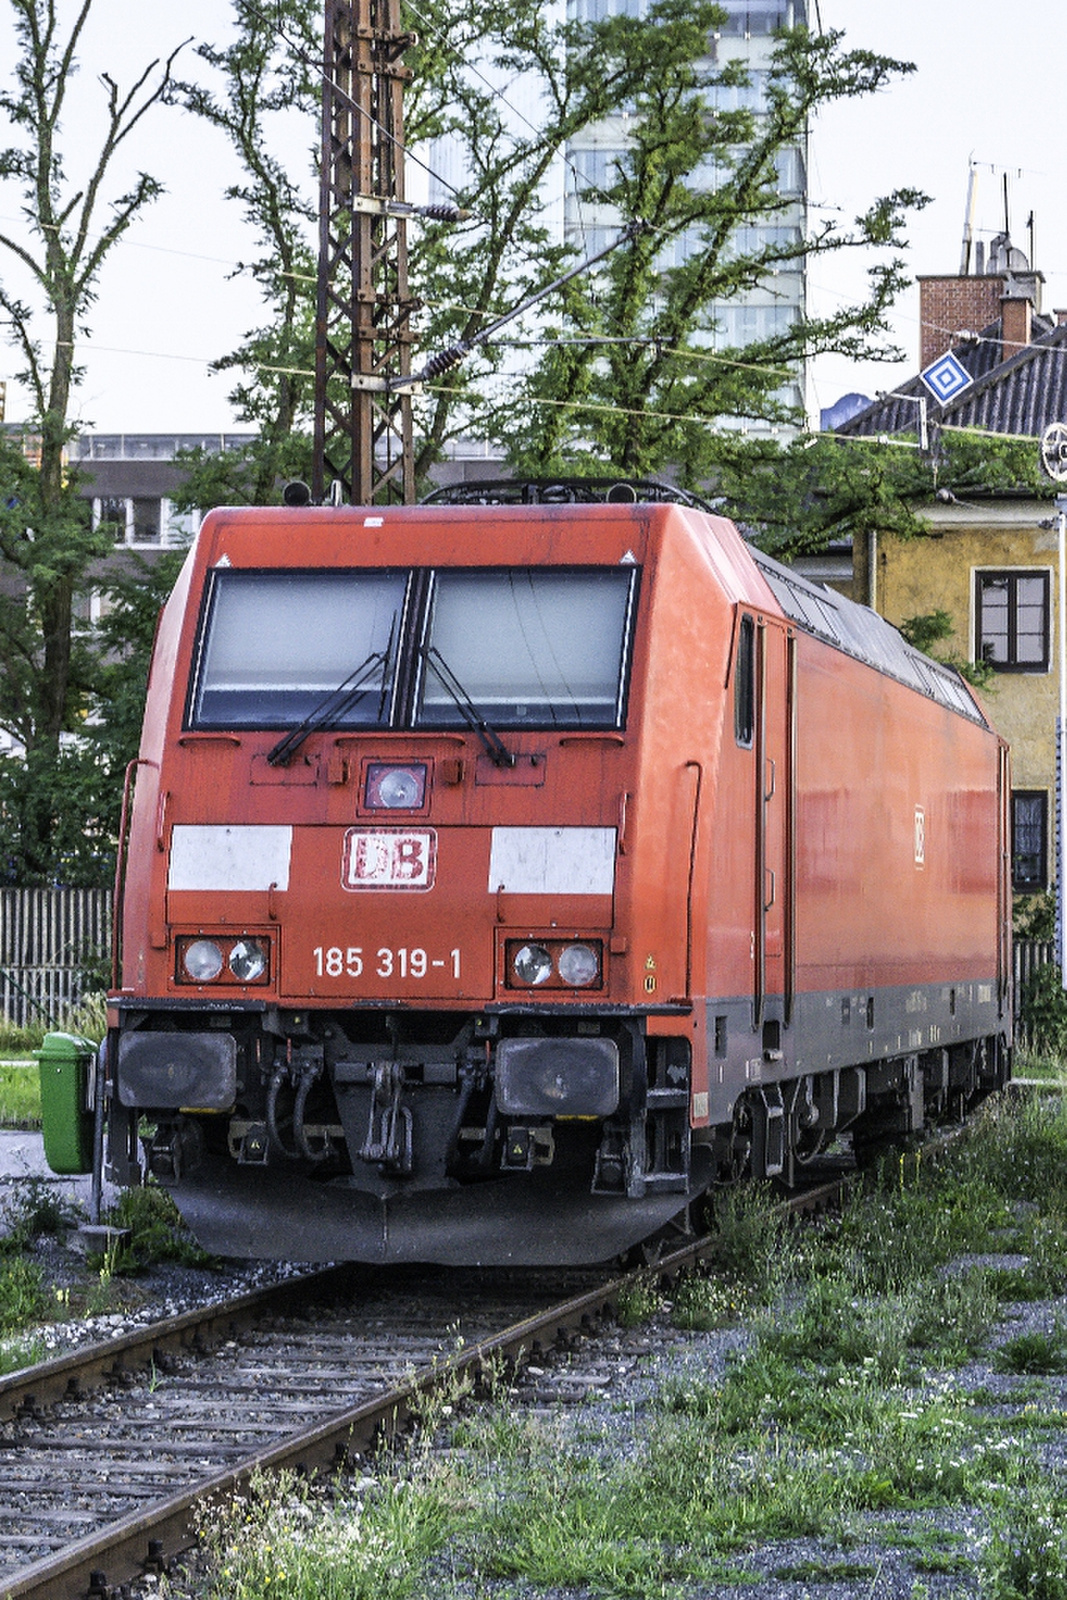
x=609, y=1386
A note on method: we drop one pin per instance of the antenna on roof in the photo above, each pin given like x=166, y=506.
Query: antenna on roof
x=968, y=219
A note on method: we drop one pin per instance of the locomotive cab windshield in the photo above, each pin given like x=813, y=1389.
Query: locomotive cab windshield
x=525, y=648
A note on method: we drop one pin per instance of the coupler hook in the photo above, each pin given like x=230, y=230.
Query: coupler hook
x=388, y=1141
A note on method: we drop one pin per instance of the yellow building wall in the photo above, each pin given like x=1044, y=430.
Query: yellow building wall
x=936, y=572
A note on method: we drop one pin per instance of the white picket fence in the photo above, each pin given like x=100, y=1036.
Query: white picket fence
x=51, y=941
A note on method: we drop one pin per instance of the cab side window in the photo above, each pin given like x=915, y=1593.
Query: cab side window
x=745, y=683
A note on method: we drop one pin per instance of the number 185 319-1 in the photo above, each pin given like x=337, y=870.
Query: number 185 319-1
x=338, y=961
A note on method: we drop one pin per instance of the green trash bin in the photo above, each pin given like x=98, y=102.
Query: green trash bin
x=66, y=1064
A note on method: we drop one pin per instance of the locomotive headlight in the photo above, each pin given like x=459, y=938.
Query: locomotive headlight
x=532, y=964
x=555, y=963
x=578, y=965
x=248, y=960
x=395, y=788
x=240, y=958
x=202, y=960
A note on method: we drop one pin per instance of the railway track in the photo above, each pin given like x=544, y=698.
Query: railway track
x=107, y=1453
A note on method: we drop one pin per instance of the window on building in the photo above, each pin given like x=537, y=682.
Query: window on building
x=595, y=167
x=1012, y=620
x=147, y=521
x=113, y=513
x=1029, y=840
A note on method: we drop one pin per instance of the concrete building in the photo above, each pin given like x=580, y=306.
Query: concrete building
x=130, y=478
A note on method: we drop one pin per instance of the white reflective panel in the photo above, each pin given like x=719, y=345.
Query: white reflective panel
x=232, y=856
x=277, y=643
x=552, y=861
x=539, y=647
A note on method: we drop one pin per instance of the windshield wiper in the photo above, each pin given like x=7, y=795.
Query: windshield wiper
x=494, y=744
x=329, y=709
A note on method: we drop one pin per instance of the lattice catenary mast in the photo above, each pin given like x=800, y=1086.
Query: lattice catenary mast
x=363, y=423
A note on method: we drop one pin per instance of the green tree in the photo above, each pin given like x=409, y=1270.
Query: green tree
x=47, y=546
x=797, y=498
x=636, y=378
x=632, y=385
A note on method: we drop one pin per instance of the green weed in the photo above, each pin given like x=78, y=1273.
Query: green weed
x=23, y=1296
x=18, y=1353
x=1026, y=1558
x=1034, y=1352
x=751, y=1241
x=638, y=1301
x=950, y=1318
x=826, y=1571
x=34, y=1208
x=282, y=1540
x=702, y=1303
x=20, y=1095
x=157, y=1233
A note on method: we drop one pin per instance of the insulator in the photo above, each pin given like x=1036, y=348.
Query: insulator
x=445, y=361
x=443, y=213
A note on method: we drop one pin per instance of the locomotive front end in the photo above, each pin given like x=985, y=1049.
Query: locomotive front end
x=381, y=997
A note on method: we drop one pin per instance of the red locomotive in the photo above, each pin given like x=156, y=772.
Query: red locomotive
x=501, y=877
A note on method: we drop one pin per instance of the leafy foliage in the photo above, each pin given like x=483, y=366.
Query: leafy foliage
x=635, y=382
x=626, y=374
x=1043, y=1009
x=47, y=546
x=934, y=628
x=820, y=489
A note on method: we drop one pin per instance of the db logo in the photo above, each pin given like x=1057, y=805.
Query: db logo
x=389, y=858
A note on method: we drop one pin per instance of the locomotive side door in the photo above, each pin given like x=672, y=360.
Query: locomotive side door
x=774, y=789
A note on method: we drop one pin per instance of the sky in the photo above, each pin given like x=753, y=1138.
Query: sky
x=987, y=91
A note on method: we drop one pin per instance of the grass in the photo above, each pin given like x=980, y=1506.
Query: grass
x=20, y=1091
x=840, y=1407
x=156, y=1233
x=1039, y=1352
x=1043, y=1064
x=20, y=1096
x=149, y=1230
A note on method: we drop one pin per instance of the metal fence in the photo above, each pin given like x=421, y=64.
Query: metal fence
x=1029, y=955
x=53, y=944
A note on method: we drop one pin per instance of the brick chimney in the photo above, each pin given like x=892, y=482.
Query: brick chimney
x=950, y=306
x=1021, y=298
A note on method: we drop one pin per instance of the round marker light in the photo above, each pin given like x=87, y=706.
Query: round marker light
x=203, y=960
x=533, y=964
x=395, y=788
x=578, y=965
x=248, y=960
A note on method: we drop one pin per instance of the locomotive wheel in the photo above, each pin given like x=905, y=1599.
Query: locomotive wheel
x=808, y=1145
x=739, y=1159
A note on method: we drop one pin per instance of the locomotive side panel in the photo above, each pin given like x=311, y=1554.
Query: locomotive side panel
x=898, y=827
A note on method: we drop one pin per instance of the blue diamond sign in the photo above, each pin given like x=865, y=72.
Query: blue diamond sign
x=946, y=377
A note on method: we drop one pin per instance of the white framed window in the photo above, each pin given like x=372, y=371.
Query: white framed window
x=1013, y=619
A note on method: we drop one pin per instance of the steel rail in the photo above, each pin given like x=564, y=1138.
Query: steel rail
x=144, y=1540
x=78, y=1372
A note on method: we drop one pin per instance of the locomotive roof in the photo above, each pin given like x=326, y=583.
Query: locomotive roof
x=861, y=632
